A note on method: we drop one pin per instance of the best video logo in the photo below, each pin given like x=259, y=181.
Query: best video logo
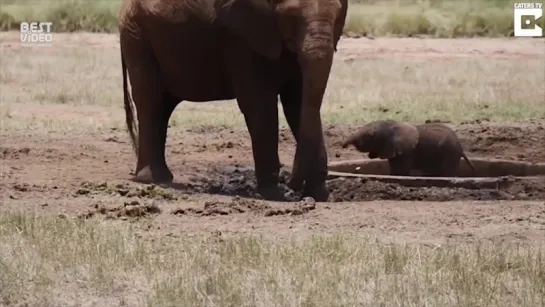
x=36, y=33
x=526, y=17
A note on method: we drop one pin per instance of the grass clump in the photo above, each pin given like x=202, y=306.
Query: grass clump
x=52, y=261
x=436, y=18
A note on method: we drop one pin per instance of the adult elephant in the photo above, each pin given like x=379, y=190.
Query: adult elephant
x=251, y=50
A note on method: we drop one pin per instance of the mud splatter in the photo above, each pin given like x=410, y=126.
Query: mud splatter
x=146, y=191
x=131, y=209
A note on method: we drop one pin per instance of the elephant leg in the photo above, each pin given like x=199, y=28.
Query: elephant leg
x=291, y=98
x=168, y=104
x=257, y=98
x=153, y=108
x=153, y=126
x=262, y=122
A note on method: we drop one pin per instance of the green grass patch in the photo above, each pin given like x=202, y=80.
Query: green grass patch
x=436, y=18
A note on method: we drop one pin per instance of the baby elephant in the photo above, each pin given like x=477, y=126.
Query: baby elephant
x=432, y=148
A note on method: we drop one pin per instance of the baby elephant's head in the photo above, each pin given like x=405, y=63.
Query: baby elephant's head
x=384, y=139
x=361, y=139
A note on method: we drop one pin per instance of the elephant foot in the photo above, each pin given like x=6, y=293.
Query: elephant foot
x=146, y=175
x=319, y=192
x=272, y=193
x=295, y=185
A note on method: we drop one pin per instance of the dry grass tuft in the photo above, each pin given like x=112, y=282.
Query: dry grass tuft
x=109, y=264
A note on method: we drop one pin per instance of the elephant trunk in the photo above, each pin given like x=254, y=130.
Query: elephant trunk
x=315, y=53
x=350, y=140
x=360, y=140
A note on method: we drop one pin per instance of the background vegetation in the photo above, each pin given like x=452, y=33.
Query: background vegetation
x=435, y=18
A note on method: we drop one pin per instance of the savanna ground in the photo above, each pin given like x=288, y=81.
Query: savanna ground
x=76, y=231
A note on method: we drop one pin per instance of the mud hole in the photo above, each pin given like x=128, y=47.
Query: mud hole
x=516, y=141
x=240, y=180
x=363, y=189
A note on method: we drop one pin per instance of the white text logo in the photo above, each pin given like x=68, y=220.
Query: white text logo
x=36, y=33
x=526, y=17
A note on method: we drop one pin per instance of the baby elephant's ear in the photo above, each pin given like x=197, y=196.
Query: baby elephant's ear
x=403, y=139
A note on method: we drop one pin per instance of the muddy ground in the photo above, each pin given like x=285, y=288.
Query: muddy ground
x=214, y=188
x=89, y=176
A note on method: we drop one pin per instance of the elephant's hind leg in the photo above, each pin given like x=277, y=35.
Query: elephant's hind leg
x=153, y=126
x=153, y=107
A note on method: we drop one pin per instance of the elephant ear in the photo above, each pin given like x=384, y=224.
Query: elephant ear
x=339, y=23
x=255, y=22
x=401, y=139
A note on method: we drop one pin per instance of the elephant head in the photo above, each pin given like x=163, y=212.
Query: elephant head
x=311, y=29
x=384, y=139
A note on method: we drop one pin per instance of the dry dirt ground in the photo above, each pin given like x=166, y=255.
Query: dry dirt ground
x=89, y=175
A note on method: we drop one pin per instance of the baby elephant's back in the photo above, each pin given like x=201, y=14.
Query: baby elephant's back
x=437, y=142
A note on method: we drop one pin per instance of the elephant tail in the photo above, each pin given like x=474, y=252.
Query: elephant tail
x=129, y=110
x=469, y=162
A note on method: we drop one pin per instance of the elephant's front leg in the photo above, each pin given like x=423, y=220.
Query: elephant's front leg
x=291, y=95
x=291, y=98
